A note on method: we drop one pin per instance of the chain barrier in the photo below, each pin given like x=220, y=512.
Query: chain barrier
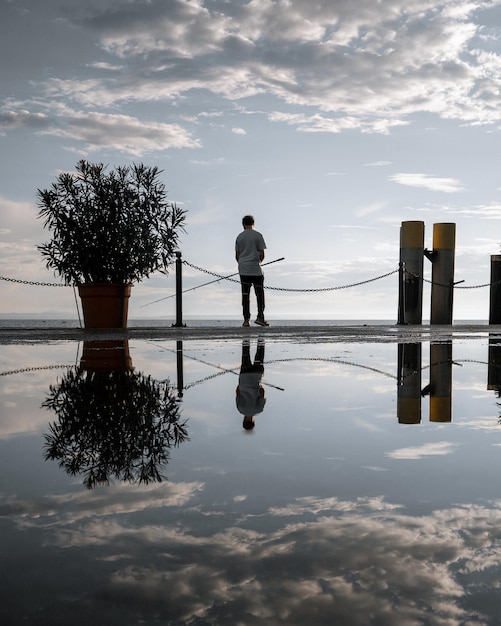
x=456, y=286
x=317, y=290
x=32, y=282
x=234, y=280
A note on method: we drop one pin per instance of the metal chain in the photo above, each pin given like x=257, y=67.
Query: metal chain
x=430, y=282
x=32, y=282
x=233, y=280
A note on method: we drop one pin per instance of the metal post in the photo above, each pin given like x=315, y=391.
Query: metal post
x=442, y=277
x=179, y=290
x=410, y=295
x=495, y=294
x=409, y=383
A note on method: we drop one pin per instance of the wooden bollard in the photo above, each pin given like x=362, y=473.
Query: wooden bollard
x=442, y=277
x=495, y=294
x=410, y=293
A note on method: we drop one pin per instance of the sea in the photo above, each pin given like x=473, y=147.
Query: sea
x=23, y=323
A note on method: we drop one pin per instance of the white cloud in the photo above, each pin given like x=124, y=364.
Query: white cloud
x=424, y=181
x=123, y=133
x=361, y=62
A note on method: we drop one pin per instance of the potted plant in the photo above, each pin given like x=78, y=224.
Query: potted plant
x=109, y=229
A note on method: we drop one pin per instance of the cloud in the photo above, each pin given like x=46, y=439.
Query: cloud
x=433, y=183
x=22, y=118
x=123, y=133
x=360, y=64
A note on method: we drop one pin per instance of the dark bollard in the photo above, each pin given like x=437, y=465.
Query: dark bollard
x=410, y=294
x=442, y=277
x=495, y=294
x=179, y=290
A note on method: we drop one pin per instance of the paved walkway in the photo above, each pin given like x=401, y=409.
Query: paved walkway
x=301, y=334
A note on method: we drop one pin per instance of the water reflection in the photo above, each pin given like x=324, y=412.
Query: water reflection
x=250, y=392
x=112, y=422
x=439, y=389
x=330, y=514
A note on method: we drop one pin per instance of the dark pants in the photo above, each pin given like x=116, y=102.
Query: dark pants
x=247, y=365
x=246, y=284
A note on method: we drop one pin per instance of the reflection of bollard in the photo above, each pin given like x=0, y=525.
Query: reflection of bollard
x=409, y=383
x=444, y=244
x=441, y=382
x=179, y=363
x=410, y=296
x=495, y=294
x=494, y=368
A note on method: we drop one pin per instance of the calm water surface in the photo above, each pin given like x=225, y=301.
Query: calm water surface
x=138, y=497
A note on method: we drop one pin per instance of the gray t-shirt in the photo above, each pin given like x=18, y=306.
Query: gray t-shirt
x=249, y=400
x=248, y=245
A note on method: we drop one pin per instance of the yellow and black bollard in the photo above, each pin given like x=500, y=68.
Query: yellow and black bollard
x=442, y=277
x=410, y=294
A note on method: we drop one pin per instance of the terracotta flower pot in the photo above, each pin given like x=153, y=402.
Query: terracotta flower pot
x=105, y=305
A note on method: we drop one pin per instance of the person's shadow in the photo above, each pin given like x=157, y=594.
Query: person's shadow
x=250, y=393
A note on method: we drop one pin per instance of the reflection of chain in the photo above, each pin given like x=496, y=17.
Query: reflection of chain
x=234, y=280
x=32, y=282
x=289, y=360
x=35, y=369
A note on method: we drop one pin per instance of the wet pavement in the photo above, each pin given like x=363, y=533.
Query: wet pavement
x=317, y=333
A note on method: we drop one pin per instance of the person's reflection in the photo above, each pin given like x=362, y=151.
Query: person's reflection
x=250, y=393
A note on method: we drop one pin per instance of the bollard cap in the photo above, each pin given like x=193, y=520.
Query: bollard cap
x=412, y=234
x=444, y=236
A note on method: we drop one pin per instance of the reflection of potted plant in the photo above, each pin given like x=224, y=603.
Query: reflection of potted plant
x=112, y=424
x=109, y=230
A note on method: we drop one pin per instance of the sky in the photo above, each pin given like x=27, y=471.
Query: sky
x=331, y=121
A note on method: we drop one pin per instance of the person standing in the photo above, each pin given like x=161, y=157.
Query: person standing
x=249, y=253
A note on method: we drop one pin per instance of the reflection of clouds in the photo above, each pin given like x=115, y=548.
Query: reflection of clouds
x=438, y=448
x=123, y=498
x=22, y=392
x=314, y=561
x=346, y=561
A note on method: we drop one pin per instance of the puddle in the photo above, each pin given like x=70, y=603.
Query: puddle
x=365, y=492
